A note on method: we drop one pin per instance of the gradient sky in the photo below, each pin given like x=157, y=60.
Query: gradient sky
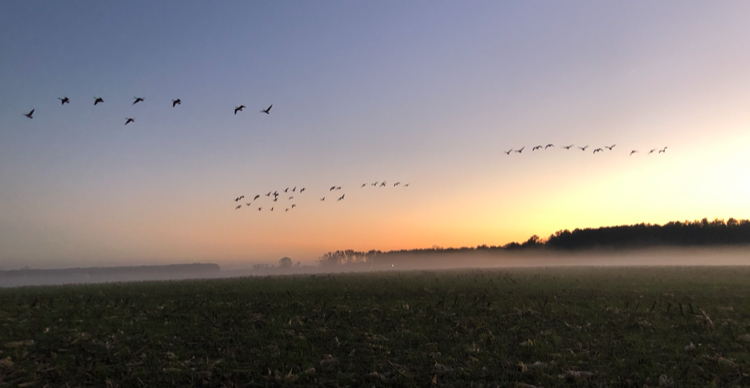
x=429, y=93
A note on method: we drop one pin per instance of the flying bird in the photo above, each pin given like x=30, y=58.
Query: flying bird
x=65, y=100
x=548, y=145
x=267, y=110
x=238, y=206
x=568, y=147
x=536, y=148
x=652, y=151
x=137, y=100
x=332, y=188
x=294, y=189
x=291, y=198
x=303, y=189
x=269, y=194
x=239, y=108
x=598, y=150
x=242, y=196
x=663, y=150
x=293, y=206
x=275, y=199
x=610, y=147
x=340, y=198
x=374, y=184
x=323, y=199
x=260, y=208
x=383, y=184
x=508, y=152
x=287, y=209
x=129, y=120
x=271, y=209
x=338, y=187
x=176, y=102
x=248, y=203
x=287, y=189
x=583, y=148
x=256, y=197
x=396, y=184
x=98, y=100
x=29, y=114
x=406, y=185
x=519, y=151
x=632, y=152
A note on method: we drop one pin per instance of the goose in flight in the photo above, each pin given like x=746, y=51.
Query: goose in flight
x=275, y=199
x=568, y=147
x=287, y=209
x=65, y=100
x=137, y=100
x=294, y=189
x=268, y=194
x=293, y=206
x=663, y=150
x=286, y=190
x=239, y=109
x=396, y=184
x=632, y=152
x=583, y=148
x=29, y=114
x=275, y=193
x=383, y=184
x=536, y=148
x=338, y=187
x=332, y=188
x=256, y=197
x=610, y=147
x=374, y=184
x=301, y=190
x=291, y=198
x=508, y=151
x=271, y=209
x=406, y=185
x=98, y=100
x=652, y=151
x=521, y=150
x=598, y=150
x=176, y=102
x=248, y=204
x=260, y=208
x=548, y=145
x=267, y=110
x=129, y=120
x=238, y=206
x=323, y=199
x=340, y=198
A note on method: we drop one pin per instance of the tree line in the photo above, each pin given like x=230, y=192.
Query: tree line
x=678, y=234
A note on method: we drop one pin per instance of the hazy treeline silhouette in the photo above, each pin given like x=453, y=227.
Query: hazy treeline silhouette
x=673, y=234
x=106, y=274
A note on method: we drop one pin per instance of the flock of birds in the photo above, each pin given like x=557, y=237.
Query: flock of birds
x=128, y=120
x=275, y=194
x=568, y=147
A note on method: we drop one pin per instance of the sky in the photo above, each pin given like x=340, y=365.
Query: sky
x=427, y=93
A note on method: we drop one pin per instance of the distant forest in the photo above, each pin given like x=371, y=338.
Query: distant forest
x=673, y=234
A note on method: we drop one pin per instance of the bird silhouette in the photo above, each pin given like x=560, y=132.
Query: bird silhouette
x=176, y=102
x=293, y=206
x=260, y=208
x=536, y=148
x=275, y=193
x=242, y=196
x=267, y=110
x=294, y=189
x=98, y=100
x=239, y=108
x=521, y=150
x=248, y=203
x=301, y=190
x=275, y=199
x=271, y=209
x=287, y=209
x=374, y=184
x=237, y=199
x=64, y=100
x=583, y=148
x=29, y=114
x=287, y=189
x=340, y=198
x=291, y=198
x=383, y=184
x=238, y=206
x=652, y=151
x=338, y=187
x=268, y=194
x=548, y=145
x=363, y=185
x=663, y=150
x=568, y=147
x=632, y=152
x=137, y=100
x=508, y=152
x=406, y=185
x=610, y=147
x=256, y=197
x=332, y=188
x=129, y=120
x=396, y=184
x=323, y=199
x=598, y=150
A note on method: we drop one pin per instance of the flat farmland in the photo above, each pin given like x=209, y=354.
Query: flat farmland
x=523, y=327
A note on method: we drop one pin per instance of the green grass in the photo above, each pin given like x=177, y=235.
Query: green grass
x=614, y=326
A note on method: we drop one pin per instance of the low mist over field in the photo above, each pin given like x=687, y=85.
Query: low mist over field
x=734, y=256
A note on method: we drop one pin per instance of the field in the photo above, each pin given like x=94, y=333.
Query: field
x=556, y=327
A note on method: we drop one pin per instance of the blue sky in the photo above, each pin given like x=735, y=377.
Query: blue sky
x=425, y=92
